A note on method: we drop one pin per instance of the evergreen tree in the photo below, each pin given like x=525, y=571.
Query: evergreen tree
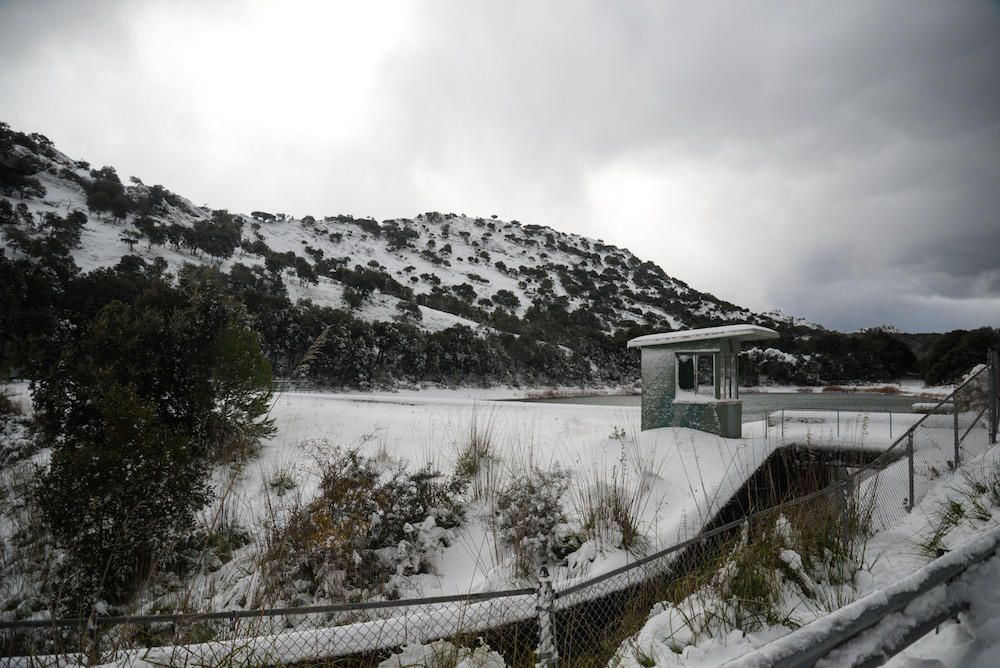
x=136, y=404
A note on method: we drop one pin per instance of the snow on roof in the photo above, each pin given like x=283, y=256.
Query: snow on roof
x=741, y=332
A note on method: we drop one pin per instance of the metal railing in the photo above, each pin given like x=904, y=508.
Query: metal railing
x=852, y=633
x=540, y=623
x=975, y=396
x=780, y=416
x=274, y=636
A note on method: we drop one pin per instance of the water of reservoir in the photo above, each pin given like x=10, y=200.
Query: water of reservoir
x=755, y=405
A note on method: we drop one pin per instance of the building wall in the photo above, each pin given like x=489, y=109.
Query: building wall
x=659, y=387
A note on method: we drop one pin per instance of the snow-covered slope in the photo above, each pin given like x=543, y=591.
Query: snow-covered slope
x=488, y=264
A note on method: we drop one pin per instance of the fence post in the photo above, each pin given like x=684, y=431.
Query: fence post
x=909, y=454
x=838, y=422
x=890, y=426
x=993, y=369
x=955, y=421
x=93, y=630
x=546, y=653
x=782, y=423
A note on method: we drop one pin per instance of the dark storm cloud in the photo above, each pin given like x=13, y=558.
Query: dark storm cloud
x=871, y=128
x=837, y=160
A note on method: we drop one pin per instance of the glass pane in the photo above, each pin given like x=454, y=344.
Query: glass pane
x=706, y=374
x=685, y=373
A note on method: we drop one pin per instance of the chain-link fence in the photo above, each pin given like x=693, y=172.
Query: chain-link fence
x=912, y=448
x=834, y=491
x=364, y=633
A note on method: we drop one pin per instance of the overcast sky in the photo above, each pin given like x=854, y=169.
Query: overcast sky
x=837, y=160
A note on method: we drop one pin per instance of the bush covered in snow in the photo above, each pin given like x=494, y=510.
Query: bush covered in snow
x=368, y=525
x=528, y=518
x=15, y=440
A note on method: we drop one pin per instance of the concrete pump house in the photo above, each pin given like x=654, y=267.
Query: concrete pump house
x=690, y=378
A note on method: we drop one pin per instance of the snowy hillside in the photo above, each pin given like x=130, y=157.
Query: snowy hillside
x=460, y=269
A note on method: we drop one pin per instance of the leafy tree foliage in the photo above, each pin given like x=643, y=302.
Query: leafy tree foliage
x=956, y=352
x=408, y=312
x=135, y=401
x=106, y=194
x=397, y=235
x=20, y=162
x=153, y=200
x=831, y=357
x=363, y=281
x=218, y=237
x=116, y=498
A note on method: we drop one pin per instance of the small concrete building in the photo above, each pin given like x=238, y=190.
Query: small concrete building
x=690, y=377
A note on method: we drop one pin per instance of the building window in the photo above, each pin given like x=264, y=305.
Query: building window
x=685, y=374
x=706, y=373
x=695, y=375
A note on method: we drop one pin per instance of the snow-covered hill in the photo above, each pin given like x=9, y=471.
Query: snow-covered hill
x=460, y=269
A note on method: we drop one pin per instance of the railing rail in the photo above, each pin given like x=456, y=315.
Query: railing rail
x=264, y=612
x=951, y=399
x=805, y=646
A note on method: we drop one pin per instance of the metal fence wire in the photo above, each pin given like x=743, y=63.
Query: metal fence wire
x=363, y=632
x=567, y=623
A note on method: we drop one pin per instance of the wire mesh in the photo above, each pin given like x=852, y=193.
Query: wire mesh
x=365, y=633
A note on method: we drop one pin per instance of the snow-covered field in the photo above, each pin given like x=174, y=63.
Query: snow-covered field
x=685, y=475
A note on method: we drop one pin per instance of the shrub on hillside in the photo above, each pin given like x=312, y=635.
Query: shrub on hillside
x=105, y=193
x=368, y=525
x=218, y=237
x=407, y=312
x=19, y=162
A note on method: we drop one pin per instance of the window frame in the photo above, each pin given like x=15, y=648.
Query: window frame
x=713, y=353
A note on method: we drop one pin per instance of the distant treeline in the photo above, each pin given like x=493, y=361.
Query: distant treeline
x=42, y=289
x=870, y=356
x=46, y=293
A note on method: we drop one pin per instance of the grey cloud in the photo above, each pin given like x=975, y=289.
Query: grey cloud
x=843, y=156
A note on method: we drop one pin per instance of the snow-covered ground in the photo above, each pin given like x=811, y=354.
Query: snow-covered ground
x=684, y=477
x=971, y=641
x=685, y=474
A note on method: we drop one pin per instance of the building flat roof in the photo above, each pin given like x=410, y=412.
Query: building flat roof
x=741, y=332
